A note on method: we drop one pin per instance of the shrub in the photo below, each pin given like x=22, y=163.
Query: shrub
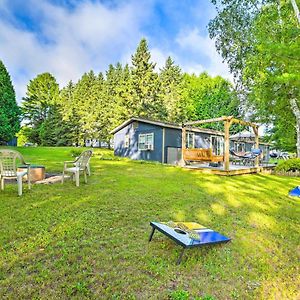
x=289, y=165
x=75, y=152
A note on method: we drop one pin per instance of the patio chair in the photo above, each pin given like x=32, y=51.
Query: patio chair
x=8, y=168
x=80, y=164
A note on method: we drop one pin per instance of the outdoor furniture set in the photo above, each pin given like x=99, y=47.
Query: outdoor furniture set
x=246, y=159
x=13, y=166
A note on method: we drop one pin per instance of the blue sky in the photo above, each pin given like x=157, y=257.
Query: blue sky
x=69, y=37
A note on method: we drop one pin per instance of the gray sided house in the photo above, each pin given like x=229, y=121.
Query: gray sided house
x=143, y=139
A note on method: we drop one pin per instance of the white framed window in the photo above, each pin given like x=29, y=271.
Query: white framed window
x=127, y=141
x=146, y=141
x=217, y=144
x=239, y=147
x=190, y=140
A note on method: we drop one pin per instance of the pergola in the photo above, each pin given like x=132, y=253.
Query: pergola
x=228, y=121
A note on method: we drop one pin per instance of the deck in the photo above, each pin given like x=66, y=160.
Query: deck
x=233, y=169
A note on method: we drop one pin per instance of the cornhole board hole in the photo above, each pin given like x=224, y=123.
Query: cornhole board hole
x=37, y=173
x=207, y=237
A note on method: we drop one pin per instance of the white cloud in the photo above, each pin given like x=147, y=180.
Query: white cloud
x=74, y=41
x=197, y=45
x=69, y=42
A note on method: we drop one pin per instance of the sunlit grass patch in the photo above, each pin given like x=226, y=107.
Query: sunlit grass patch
x=61, y=242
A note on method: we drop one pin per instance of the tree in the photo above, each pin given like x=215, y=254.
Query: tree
x=9, y=110
x=69, y=114
x=171, y=79
x=210, y=97
x=145, y=85
x=260, y=41
x=42, y=94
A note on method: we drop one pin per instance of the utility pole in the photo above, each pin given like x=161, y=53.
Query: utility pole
x=296, y=9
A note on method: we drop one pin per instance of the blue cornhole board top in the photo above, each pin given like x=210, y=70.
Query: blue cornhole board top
x=295, y=192
x=207, y=236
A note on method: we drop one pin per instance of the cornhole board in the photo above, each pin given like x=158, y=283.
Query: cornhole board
x=295, y=192
x=207, y=237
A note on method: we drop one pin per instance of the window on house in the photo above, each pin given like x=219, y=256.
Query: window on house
x=146, y=141
x=217, y=145
x=127, y=141
x=190, y=140
x=239, y=147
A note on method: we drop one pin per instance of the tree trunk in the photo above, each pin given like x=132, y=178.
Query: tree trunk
x=296, y=112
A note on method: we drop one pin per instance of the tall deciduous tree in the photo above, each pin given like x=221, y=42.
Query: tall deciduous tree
x=210, y=97
x=260, y=40
x=9, y=110
x=41, y=96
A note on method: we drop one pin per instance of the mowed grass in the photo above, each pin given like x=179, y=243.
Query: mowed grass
x=61, y=242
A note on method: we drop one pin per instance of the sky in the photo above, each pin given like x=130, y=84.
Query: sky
x=70, y=37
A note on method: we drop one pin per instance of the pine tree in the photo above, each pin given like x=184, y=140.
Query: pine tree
x=69, y=116
x=84, y=105
x=171, y=79
x=9, y=110
x=146, y=97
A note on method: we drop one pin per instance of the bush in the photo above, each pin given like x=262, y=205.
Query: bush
x=289, y=165
x=75, y=152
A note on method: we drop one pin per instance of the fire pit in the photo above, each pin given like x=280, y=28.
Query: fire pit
x=36, y=172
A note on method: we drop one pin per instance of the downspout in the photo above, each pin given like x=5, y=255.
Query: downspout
x=163, y=146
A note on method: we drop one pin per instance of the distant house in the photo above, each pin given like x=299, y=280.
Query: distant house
x=144, y=139
x=244, y=142
x=95, y=143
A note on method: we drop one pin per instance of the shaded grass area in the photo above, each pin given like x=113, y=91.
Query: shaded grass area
x=59, y=241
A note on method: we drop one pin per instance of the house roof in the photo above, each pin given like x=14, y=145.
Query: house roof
x=243, y=135
x=165, y=125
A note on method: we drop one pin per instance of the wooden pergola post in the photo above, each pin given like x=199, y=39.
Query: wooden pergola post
x=226, y=144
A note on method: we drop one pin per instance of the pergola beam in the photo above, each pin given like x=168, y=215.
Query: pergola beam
x=245, y=123
x=207, y=121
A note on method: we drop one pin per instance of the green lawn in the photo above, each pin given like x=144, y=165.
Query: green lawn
x=62, y=242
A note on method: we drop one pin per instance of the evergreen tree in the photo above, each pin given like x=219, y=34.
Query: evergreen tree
x=84, y=104
x=171, y=79
x=42, y=93
x=70, y=114
x=145, y=84
x=9, y=110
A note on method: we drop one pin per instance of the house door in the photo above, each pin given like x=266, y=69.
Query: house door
x=217, y=145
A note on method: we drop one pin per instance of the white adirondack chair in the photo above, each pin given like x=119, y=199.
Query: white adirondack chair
x=80, y=164
x=8, y=168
